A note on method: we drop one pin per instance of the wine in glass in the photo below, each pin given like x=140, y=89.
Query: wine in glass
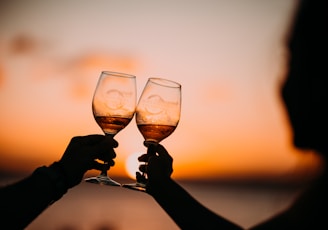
x=113, y=107
x=157, y=114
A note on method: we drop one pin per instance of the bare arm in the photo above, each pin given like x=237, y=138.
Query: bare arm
x=185, y=210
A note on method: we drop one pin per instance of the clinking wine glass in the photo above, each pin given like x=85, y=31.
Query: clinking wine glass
x=157, y=114
x=113, y=107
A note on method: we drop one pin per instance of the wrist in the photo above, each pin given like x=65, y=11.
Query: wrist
x=56, y=177
x=158, y=186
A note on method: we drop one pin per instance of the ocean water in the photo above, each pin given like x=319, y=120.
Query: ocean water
x=95, y=207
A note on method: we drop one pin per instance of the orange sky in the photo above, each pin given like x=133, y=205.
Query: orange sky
x=228, y=56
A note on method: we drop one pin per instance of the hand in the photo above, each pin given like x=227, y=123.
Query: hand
x=159, y=167
x=82, y=154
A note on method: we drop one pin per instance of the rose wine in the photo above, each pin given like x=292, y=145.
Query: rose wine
x=112, y=125
x=155, y=133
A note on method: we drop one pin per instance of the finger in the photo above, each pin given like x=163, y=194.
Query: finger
x=104, y=150
x=109, y=140
x=143, y=158
x=107, y=143
x=96, y=139
x=138, y=175
x=162, y=152
x=90, y=139
x=99, y=166
x=106, y=155
x=141, y=178
x=151, y=150
x=110, y=163
x=143, y=168
x=149, y=143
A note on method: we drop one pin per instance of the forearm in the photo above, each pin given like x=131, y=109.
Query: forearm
x=187, y=212
x=23, y=201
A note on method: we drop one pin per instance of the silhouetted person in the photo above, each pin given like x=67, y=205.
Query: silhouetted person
x=23, y=201
x=305, y=95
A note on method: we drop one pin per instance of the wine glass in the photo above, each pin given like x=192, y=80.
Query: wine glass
x=157, y=114
x=113, y=107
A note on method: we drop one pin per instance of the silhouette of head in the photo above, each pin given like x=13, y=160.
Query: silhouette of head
x=305, y=89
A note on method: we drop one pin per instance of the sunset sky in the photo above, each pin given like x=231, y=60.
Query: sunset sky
x=229, y=57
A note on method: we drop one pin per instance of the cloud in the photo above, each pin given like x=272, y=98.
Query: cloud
x=23, y=44
x=84, y=69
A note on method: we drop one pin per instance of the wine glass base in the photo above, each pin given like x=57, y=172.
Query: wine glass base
x=102, y=180
x=136, y=186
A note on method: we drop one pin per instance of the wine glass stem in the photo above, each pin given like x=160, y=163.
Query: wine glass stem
x=103, y=173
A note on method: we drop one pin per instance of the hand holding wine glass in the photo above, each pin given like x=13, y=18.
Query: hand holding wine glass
x=157, y=114
x=113, y=107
